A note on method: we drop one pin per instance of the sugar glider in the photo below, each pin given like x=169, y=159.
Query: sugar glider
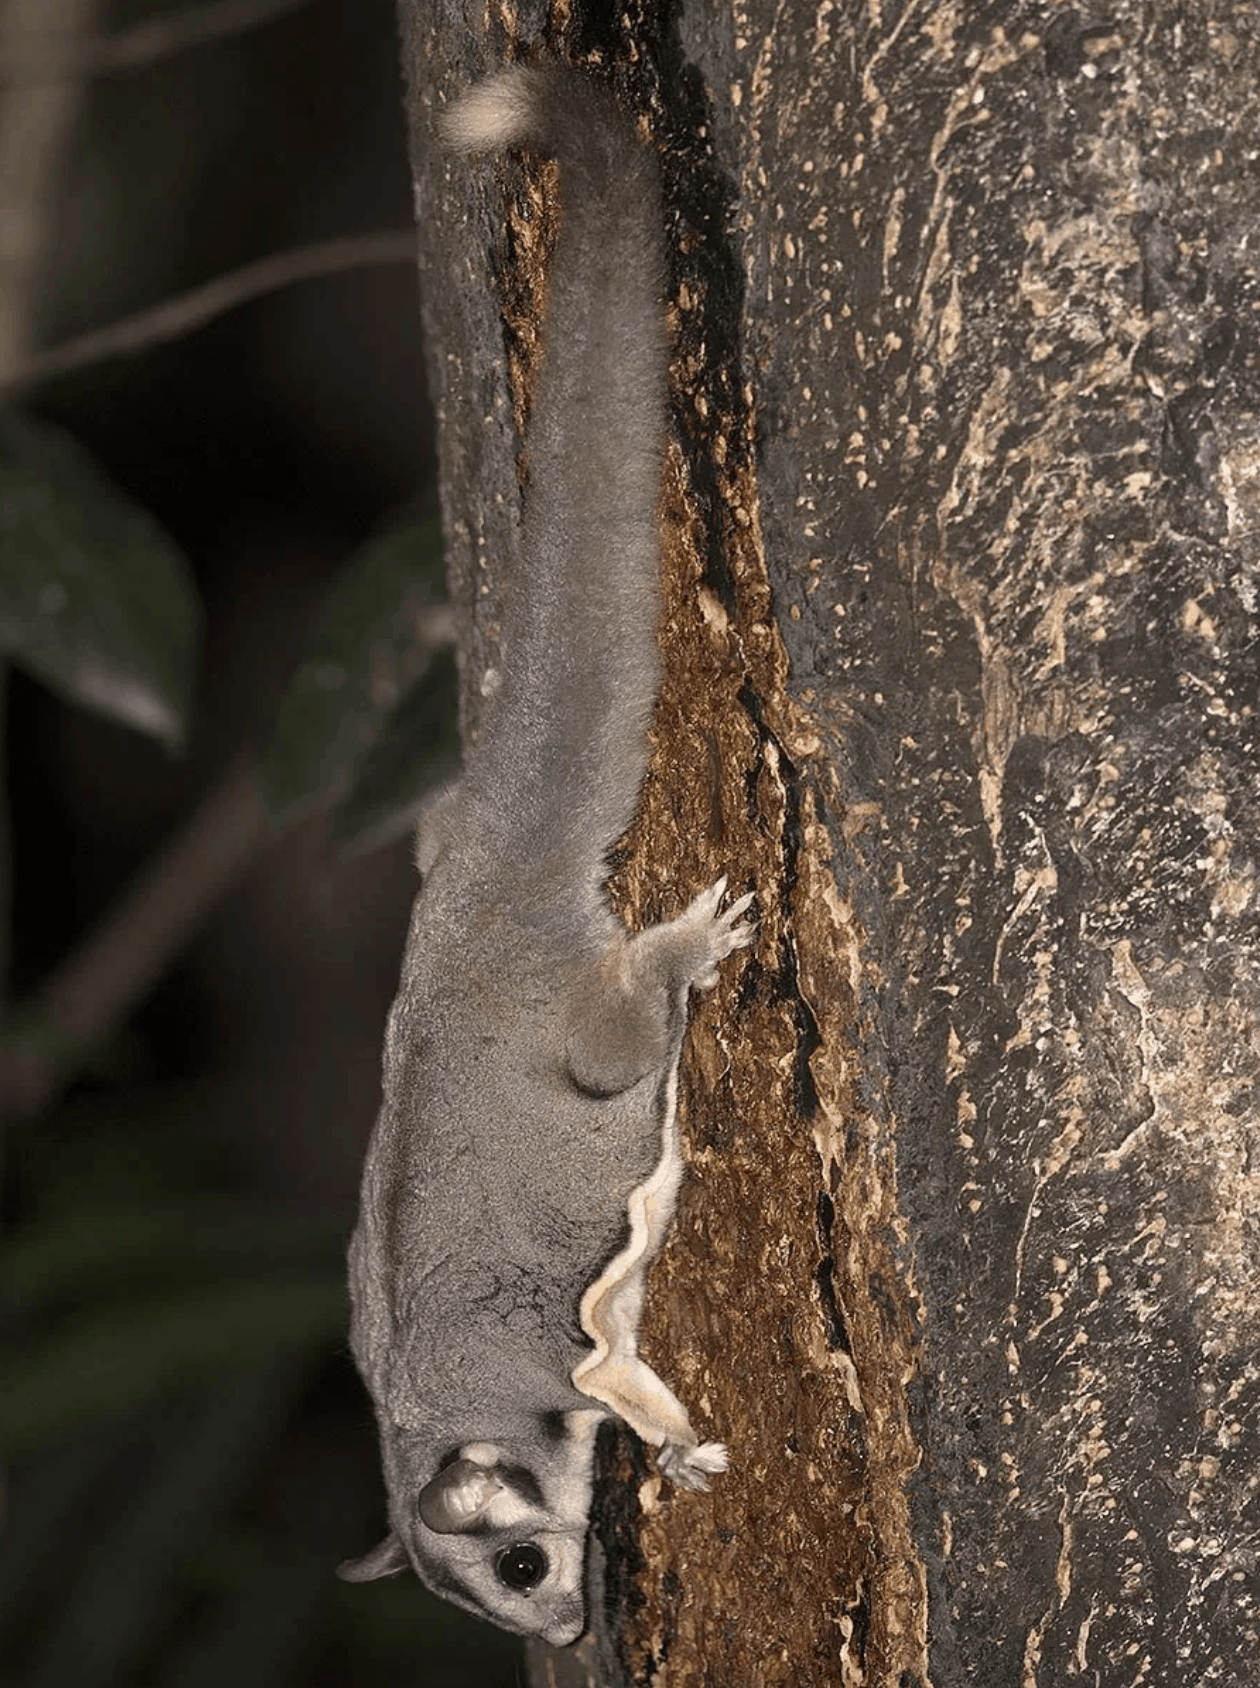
x=525, y=1162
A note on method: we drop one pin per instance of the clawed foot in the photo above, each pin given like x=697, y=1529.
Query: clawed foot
x=691, y=1467
x=715, y=935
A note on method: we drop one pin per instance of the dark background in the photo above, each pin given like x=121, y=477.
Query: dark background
x=190, y=1459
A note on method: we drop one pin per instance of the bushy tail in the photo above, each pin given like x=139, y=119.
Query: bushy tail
x=565, y=747
x=507, y=110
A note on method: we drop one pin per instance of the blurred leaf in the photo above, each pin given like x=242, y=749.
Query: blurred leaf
x=377, y=632
x=85, y=1248
x=114, y=1607
x=261, y=1589
x=418, y=747
x=252, y=1633
x=112, y=1357
x=95, y=599
x=44, y=1507
x=130, y=1145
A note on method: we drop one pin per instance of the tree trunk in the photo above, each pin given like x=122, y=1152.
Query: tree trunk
x=961, y=524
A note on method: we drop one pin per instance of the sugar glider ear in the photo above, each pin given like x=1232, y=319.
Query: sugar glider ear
x=455, y=1499
x=386, y=1559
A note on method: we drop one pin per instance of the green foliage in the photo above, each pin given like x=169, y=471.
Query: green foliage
x=186, y=1452
x=91, y=1247
x=198, y=1461
x=163, y=1523
x=95, y=600
x=113, y=1357
x=126, y=1304
x=418, y=747
x=132, y=1282
x=362, y=718
x=98, y=603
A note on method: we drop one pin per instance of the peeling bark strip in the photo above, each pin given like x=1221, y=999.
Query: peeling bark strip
x=968, y=1269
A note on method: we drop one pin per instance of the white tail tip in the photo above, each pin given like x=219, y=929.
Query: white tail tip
x=497, y=113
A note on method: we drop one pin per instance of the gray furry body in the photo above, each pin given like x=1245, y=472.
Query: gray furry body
x=527, y=1122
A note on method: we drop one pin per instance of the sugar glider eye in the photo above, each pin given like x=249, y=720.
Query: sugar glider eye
x=521, y=1567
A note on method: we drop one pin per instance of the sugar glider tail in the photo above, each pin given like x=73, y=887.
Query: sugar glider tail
x=508, y=110
x=564, y=747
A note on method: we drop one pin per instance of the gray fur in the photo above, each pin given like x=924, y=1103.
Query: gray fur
x=527, y=1121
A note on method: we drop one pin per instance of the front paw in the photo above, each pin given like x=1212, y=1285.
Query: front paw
x=713, y=936
x=691, y=1467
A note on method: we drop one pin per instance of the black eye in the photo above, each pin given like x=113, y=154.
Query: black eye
x=521, y=1567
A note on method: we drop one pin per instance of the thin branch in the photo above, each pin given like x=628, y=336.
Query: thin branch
x=187, y=311
x=117, y=963
x=36, y=129
x=6, y=885
x=48, y=55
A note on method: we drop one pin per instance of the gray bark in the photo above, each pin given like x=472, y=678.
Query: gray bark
x=962, y=529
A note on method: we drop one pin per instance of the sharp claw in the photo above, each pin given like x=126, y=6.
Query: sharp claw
x=691, y=1468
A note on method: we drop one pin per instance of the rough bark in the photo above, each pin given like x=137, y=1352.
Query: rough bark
x=962, y=529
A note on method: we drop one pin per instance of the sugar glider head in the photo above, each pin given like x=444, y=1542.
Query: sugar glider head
x=482, y=1533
